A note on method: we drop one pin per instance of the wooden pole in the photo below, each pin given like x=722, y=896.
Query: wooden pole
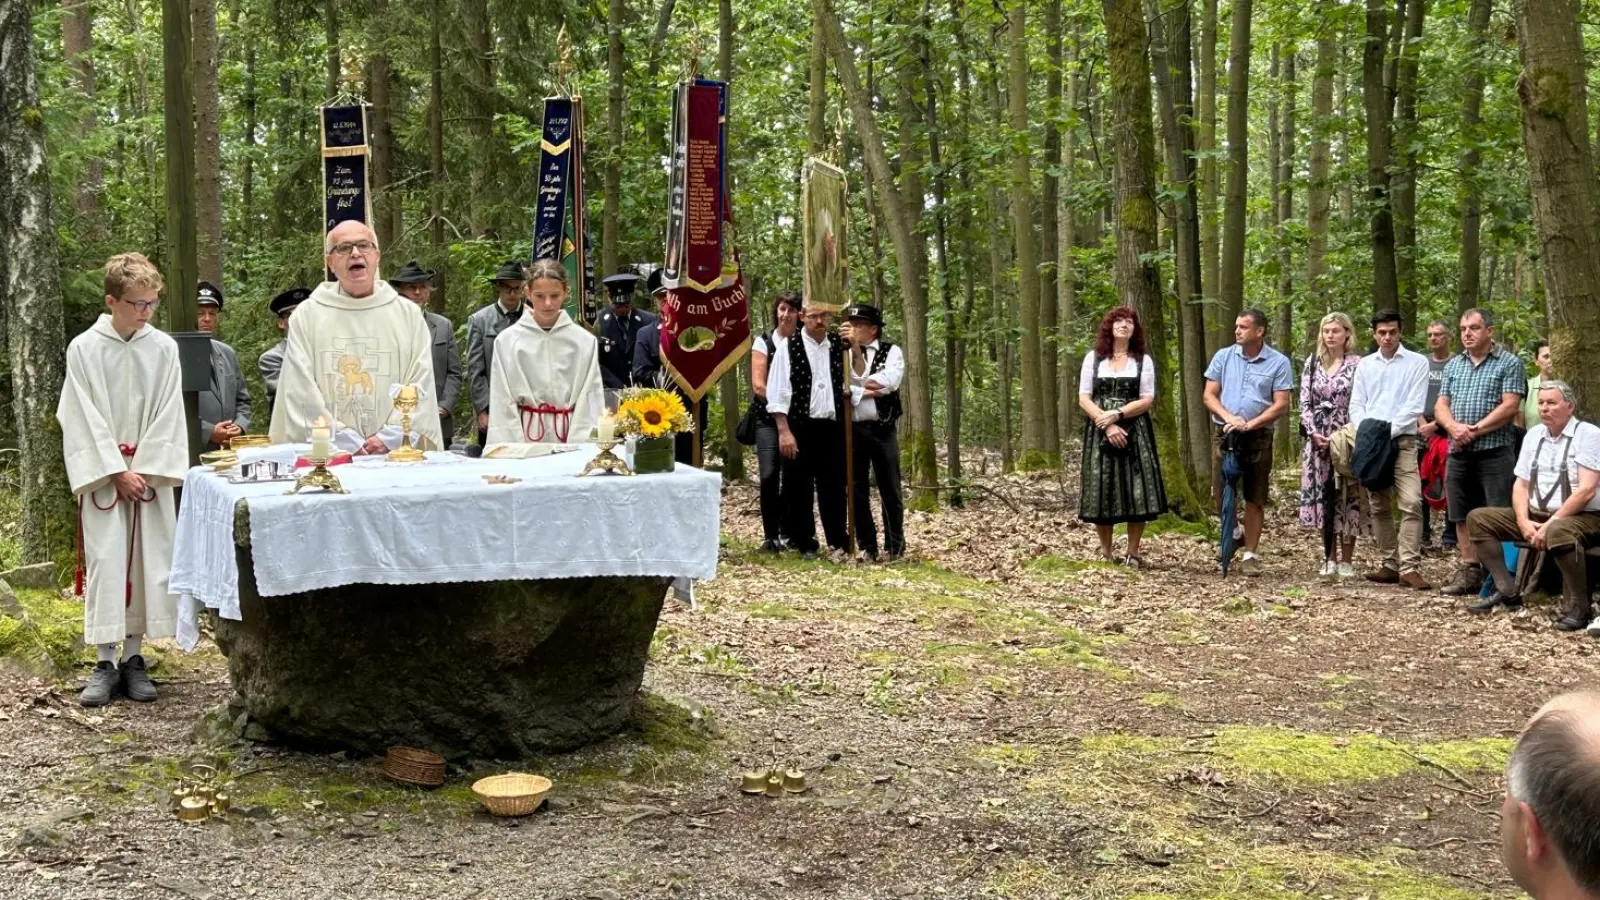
x=847, y=416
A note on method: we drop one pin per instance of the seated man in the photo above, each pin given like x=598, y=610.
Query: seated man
x=1547, y=821
x=1554, y=508
x=544, y=387
x=352, y=344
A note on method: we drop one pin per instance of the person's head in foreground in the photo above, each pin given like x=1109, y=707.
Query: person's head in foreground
x=1550, y=820
x=351, y=252
x=547, y=290
x=133, y=291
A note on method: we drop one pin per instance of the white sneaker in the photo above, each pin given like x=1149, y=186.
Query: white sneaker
x=1346, y=570
x=1238, y=531
x=1328, y=569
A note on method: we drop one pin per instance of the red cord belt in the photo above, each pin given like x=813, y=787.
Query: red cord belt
x=559, y=418
x=133, y=531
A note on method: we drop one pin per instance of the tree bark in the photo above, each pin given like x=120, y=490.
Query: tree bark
x=77, y=44
x=32, y=291
x=1137, y=276
x=1034, y=456
x=1283, y=199
x=436, y=146
x=1404, y=182
x=956, y=340
x=207, y=142
x=732, y=450
x=330, y=21
x=1230, y=280
x=481, y=109
x=918, y=402
x=387, y=208
x=1067, y=277
x=817, y=96
x=1210, y=240
x=1319, y=189
x=1375, y=99
x=252, y=112
x=611, y=212
x=1552, y=90
x=1050, y=237
x=1471, y=210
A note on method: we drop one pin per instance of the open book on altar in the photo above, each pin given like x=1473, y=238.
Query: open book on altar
x=524, y=451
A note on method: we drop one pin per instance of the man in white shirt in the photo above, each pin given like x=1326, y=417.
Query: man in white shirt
x=803, y=394
x=1392, y=385
x=1554, y=507
x=876, y=369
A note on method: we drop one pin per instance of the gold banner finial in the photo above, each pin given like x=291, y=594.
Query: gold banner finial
x=564, y=65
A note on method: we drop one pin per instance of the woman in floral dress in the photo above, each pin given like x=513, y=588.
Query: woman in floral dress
x=1324, y=409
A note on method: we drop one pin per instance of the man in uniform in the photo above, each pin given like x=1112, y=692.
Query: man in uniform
x=646, y=372
x=619, y=331
x=876, y=370
x=225, y=403
x=483, y=327
x=416, y=284
x=271, y=362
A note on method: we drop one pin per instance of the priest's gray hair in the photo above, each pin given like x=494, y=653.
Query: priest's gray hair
x=327, y=239
x=1568, y=395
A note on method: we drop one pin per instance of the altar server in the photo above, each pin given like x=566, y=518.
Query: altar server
x=225, y=403
x=271, y=362
x=126, y=446
x=352, y=344
x=545, y=386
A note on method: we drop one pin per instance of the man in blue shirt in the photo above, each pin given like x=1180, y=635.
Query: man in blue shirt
x=1247, y=389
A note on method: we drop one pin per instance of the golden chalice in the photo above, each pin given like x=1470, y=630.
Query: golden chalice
x=406, y=402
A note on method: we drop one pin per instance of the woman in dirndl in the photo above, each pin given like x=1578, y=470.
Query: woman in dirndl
x=1121, y=475
x=1325, y=387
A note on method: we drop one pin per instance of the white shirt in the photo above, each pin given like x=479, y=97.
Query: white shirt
x=1584, y=440
x=1147, y=377
x=780, y=392
x=761, y=346
x=1393, y=389
x=894, y=369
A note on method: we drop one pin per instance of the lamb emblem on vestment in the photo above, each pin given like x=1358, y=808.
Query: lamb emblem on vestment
x=353, y=376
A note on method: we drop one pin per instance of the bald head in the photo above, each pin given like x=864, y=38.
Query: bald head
x=1548, y=836
x=350, y=251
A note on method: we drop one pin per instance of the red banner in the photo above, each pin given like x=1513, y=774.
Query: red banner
x=703, y=212
x=703, y=334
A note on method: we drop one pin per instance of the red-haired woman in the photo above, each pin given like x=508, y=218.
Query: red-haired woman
x=1121, y=476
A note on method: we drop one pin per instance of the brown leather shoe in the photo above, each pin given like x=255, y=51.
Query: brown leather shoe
x=1384, y=575
x=1414, y=581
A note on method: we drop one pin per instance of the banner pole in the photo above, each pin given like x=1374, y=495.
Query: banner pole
x=848, y=418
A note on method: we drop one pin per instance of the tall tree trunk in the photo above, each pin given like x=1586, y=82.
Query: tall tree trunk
x=1405, y=177
x=1347, y=192
x=909, y=111
x=611, y=212
x=207, y=142
x=956, y=340
x=1001, y=296
x=918, y=401
x=1552, y=90
x=180, y=267
x=1034, y=455
x=732, y=450
x=330, y=21
x=252, y=111
x=1375, y=98
x=1170, y=56
x=387, y=209
x=77, y=44
x=1067, y=277
x=1050, y=236
x=1230, y=282
x=1471, y=191
x=941, y=240
x=817, y=96
x=1319, y=189
x=1210, y=239
x=32, y=293
x=1137, y=276
x=436, y=147
x=1283, y=199
x=481, y=109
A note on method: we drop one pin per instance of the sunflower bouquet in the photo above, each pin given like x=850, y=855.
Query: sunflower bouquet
x=652, y=413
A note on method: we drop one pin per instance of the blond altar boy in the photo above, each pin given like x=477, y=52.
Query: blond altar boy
x=126, y=445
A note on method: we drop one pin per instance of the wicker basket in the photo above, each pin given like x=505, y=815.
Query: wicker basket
x=515, y=794
x=409, y=765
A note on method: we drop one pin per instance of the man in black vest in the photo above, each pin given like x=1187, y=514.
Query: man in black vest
x=876, y=369
x=803, y=396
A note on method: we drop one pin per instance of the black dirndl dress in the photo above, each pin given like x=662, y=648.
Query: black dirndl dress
x=1120, y=485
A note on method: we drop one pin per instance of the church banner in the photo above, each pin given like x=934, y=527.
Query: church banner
x=559, y=216
x=345, y=192
x=822, y=220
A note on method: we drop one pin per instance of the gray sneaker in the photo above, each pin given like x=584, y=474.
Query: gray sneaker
x=102, y=685
x=136, y=681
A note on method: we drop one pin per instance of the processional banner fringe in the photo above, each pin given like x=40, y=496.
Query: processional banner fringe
x=559, y=216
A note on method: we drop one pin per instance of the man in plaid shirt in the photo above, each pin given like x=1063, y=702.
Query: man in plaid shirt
x=1478, y=402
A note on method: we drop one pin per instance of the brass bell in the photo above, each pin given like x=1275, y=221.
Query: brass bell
x=775, y=785
x=220, y=803
x=754, y=783
x=193, y=809
x=794, y=781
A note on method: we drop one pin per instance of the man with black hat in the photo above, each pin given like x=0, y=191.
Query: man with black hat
x=271, y=362
x=646, y=372
x=803, y=396
x=619, y=331
x=483, y=327
x=416, y=284
x=225, y=403
x=876, y=369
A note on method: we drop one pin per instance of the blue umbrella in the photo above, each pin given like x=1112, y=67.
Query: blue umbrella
x=1230, y=496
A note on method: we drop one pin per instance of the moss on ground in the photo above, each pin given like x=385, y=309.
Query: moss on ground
x=1053, y=565
x=48, y=639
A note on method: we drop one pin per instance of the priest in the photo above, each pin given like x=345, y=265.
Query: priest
x=545, y=386
x=126, y=443
x=352, y=345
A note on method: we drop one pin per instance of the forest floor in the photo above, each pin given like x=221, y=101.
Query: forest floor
x=993, y=717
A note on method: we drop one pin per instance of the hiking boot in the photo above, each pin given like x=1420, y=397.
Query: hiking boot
x=1576, y=618
x=1415, y=582
x=771, y=547
x=136, y=682
x=1486, y=605
x=1384, y=575
x=1249, y=565
x=102, y=685
x=1469, y=580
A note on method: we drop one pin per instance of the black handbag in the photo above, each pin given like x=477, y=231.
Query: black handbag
x=746, y=432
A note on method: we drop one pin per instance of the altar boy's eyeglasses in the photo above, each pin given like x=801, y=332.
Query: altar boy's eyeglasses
x=141, y=305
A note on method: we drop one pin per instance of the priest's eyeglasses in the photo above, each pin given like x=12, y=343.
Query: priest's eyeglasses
x=141, y=305
x=349, y=247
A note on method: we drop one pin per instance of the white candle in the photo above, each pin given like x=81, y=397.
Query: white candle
x=606, y=431
x=320, y=436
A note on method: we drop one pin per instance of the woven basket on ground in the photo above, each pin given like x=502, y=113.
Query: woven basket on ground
x=515, y=794
x=412, y=766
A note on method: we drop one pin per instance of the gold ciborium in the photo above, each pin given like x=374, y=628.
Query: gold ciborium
x=406, y=402
x=606, y=461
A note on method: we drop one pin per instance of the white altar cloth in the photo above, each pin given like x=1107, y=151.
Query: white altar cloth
x=440, y=521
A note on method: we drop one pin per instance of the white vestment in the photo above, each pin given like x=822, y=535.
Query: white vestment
x=345, y=357
x=121, y=410
x=544, y=386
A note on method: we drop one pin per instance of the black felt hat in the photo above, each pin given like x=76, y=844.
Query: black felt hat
x=652, y=284
x=864, y=311
x=510, y=270
x=621, y=286
x=288, y=300
x=413, y=273
x=208, y=294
